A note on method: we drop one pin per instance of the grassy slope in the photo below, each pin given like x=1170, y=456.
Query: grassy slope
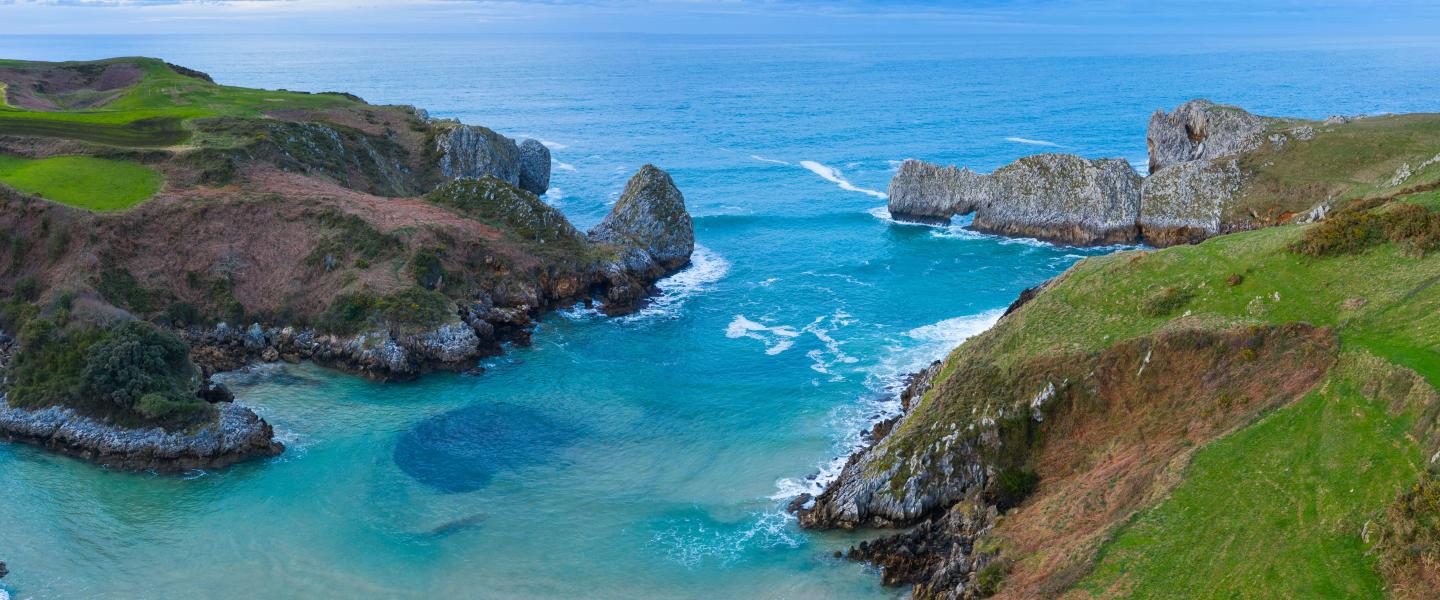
x=1276, y=510
x=1342, y=161
x=153, y=111
x=82, y=181
x=1273, y=501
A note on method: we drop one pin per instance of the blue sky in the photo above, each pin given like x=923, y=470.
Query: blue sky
x=1176, y=23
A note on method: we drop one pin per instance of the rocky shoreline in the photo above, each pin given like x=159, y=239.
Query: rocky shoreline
x=1194, y=177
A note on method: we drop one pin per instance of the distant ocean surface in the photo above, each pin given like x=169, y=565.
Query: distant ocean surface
x=648, y=456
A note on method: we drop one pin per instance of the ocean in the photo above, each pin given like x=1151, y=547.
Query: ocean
x=647, y=456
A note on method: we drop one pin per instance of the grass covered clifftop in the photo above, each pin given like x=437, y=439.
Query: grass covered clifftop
x=1237, y=418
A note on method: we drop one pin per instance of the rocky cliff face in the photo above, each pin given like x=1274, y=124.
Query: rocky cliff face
x=1062, y=198
x=650, y=232
x=1195, y=178
x=1201, y=130
x=472, y=152
x=1055, y=197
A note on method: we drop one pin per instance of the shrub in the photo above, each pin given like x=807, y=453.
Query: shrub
x=1166, y=301
x=26, y=288
x=137, y=359
x=1234, y=279
x=1013, y=486
x=412, y=308
x=425, y=267
x=989, y=578
x=1356, y=228
x=1409, y=536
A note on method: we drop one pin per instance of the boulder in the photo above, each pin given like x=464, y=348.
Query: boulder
x=534, y=167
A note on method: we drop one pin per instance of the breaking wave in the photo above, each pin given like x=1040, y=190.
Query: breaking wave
x=834, y=176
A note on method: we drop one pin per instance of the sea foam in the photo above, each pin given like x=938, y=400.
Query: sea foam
x=1028, y=141
x=705, y=268
x=833, y=175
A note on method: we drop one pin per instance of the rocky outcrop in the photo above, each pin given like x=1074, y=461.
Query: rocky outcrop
x=236, y=434
x=862, y=495
x=939, y=556
x=1061, y=198
x=650, y=232
x=1195, y=177
x=1184, y=204
x=1201, y=130
x=472, y=152
x=534, y=167
x=927, y=193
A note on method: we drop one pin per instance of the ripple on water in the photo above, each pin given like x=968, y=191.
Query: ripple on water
x=462, y=450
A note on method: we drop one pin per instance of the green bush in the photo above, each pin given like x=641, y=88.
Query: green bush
x=425, y=267
x=989, y=579
x=414, y=308
x=1166, y=301
x=135, y=373
x=1357, y=228
x=1013, y=486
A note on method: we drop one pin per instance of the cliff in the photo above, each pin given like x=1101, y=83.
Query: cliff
x=290, y=226
x=1153, y=408
x=1213, y=169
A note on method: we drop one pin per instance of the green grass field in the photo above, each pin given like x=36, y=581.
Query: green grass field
x=82, y=181
x=152, y=112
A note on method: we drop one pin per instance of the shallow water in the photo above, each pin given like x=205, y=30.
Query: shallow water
x=645, y=456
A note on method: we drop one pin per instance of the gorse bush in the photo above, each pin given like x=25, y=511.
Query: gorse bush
x=1357, y=228
x=414, y=308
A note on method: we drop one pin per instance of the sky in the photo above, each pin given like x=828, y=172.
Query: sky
x=1169, y=22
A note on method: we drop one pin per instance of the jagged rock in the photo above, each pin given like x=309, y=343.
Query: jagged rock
x=922, y=192
x=1201, y=130
x=236, y=434
x=534, y=167
x=650, y=217
x=1185, y=203
x=939, y=555
x=1062, y=198
x=472, y=152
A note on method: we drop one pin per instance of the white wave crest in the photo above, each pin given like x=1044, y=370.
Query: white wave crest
x=564, y=166
x=768, y=160
x=548, y=144
x=833, y=175
x=706, y=267
x=883, y=213
x=1020, y=140
x=918, y=347
x=777, y=339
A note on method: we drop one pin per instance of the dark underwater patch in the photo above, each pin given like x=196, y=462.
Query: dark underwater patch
x=462, y=450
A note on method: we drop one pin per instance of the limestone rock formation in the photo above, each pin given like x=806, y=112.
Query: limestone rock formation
x=1184, y=204
x=1201, y=130
x=650, y=232
x=472, y=152
x=1056, y=197
x=1062, y=198
x=922, y=192
x=236, y=434
x=534, y=167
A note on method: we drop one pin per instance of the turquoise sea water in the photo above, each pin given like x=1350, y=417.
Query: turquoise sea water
x=648, y=456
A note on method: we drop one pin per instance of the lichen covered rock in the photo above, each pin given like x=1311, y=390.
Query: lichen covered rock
x=649, y=224
x=1201, y=130
x=1184, y=204
x=1062, y=198
x=922, y=192
x=472, y=152
x=534, y=167
x=236, y=434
